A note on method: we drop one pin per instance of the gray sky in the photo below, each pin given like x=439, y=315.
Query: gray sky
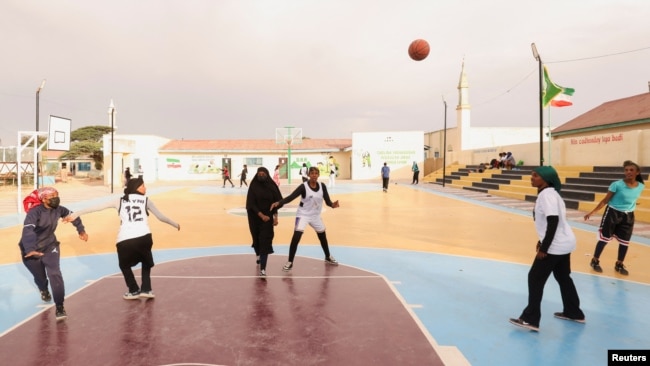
x=237, y=69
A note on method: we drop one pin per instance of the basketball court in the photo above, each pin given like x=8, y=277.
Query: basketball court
x=426, y=277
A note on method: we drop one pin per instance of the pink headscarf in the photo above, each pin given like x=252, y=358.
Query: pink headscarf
x=46, y=191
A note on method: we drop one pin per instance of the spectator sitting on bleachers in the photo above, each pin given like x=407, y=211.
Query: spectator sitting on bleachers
x=481, y=167
x=510, y=161
x=502, y=160
x=494, y=164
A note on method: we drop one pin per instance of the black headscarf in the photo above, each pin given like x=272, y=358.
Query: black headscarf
x=262, y=193
x=132, y=187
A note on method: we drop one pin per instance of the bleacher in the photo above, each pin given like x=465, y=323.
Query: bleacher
x=583, y=187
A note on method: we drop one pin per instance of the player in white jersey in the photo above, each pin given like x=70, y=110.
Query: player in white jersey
x=134, y=240
x=312, y=194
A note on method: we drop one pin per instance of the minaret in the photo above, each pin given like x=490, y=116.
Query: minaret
x=463, y=111
x=112, y=116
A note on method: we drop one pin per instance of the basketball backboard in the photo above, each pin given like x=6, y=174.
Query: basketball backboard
x=288, y=135
x=59, y=134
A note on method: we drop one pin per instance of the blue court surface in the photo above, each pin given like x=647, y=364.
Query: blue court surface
x=462, y=302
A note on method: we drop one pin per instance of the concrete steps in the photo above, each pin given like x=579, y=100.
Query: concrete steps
x=583, y=186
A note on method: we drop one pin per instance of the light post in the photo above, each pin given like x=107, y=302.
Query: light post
x=541, y=105
x=111, y=111
x=444, y=147
x=37, y=170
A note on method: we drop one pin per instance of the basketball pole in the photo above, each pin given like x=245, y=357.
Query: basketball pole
x=38, y=94
x=289, y=154
x=444, y=147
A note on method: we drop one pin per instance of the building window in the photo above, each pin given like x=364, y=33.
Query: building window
x=83, y=167
x=253, y=161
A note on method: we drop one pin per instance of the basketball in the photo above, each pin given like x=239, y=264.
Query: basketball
x=419, y=50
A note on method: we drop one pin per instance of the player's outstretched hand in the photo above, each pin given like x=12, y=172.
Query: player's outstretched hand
x=274, y=205
x=335, y=204
x=34, y=253
x=83, y=236
x=179, y=227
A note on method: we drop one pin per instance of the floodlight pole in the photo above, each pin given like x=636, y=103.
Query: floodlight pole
x=111, y=110
x=444, y=147
x=37, y=170
x=541, y=104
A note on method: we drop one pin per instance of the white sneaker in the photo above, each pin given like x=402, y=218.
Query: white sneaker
x=287, y=267
x=147, y=294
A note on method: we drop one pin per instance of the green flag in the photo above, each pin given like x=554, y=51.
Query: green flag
x=554, y=94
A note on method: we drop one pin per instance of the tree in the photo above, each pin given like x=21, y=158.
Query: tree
x=86, y=141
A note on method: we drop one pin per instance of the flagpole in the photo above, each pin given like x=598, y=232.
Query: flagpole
x=549, y=136
x=541, y=105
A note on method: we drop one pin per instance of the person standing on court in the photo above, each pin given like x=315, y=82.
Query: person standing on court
x=331, y=165
x=276, y=175
x=134, y=240
x=304, y=172
x=618, y=220
x=312, y=195
x=416, y=173
x=40, y=250
x=226, y=177
x=385, y=176
x=127, y=175
x=242, y=176
x=554, y=247
x=261, y=217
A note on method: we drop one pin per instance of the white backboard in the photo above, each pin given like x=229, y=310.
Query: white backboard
x=59, y=134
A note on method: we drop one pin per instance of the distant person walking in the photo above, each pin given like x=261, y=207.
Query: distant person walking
x=618, y=219
x=304, y=175
x=416, y=173
x=332, y=170
x=127, y=175
x=554, y=247
x=242, y=176
x=226, y=177
x=276, y=175
x=385, y=176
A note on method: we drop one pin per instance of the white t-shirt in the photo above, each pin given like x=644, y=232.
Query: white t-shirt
x=549, y=203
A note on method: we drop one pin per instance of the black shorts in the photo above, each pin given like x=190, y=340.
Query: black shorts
x=616, y=224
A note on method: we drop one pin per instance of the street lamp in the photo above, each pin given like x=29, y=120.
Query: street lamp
x=444, y=147
x=111, y=111
x=38, y=93
x=541, y=105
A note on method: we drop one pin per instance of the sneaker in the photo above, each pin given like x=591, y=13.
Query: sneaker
x=561, y=315
x=331, y=261
x=620, y=268
x=60, y=313
x=147, y=294
x=262, y=273
x=45, y=296
x=595, y=264
x=288, y=266
x=131, y=295
x=520, y=323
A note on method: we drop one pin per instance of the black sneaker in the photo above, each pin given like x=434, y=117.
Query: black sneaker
x=288, y=266
x=60, y=313
x=620, y=268
x=561, y=315
x=520, y=323
x=45, y=296
x=595, y=264
x=331, y=261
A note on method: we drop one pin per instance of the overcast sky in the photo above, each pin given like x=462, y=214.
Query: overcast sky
x=238, y=69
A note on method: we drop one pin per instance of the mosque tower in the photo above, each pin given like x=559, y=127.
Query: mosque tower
x=112, y=116
x=463, y=111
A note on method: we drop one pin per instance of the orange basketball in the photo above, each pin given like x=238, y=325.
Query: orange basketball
x=419, y=49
